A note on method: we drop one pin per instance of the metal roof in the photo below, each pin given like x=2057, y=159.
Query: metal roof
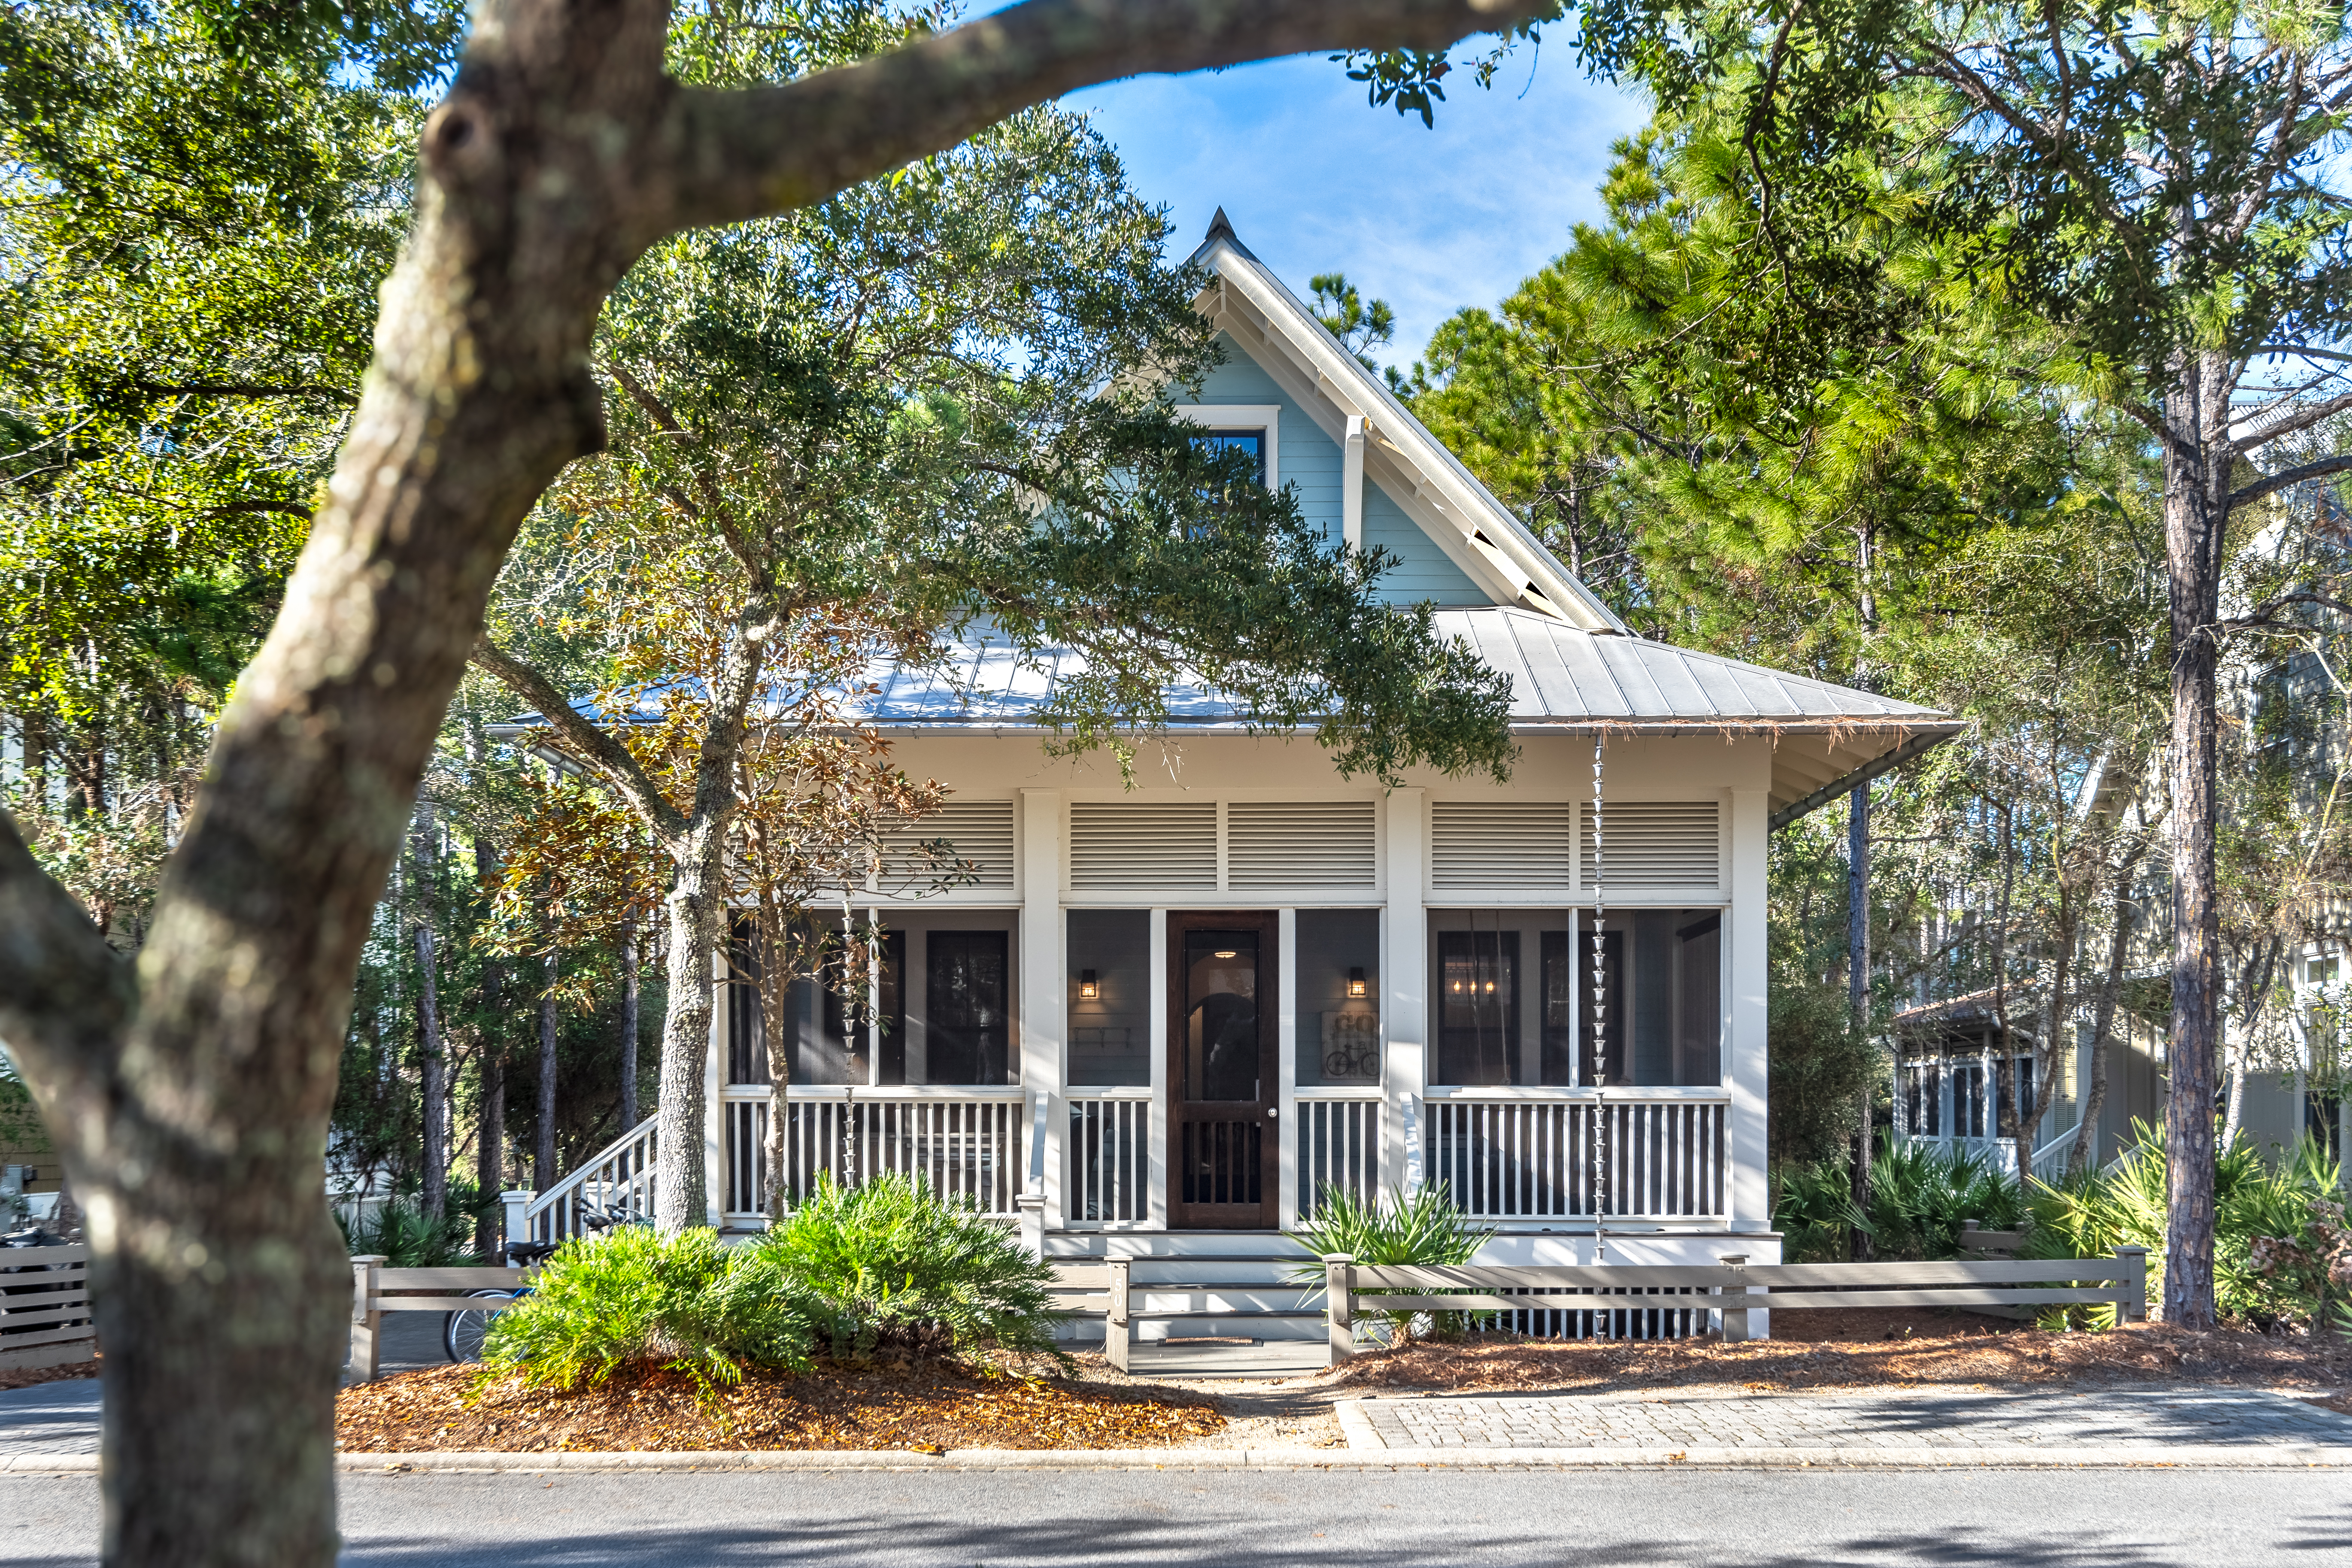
x=1561, y=675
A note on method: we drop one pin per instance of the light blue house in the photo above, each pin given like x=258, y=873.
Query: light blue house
x=1161, y=1021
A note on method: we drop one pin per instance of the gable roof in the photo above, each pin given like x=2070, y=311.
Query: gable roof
x=1460, y=515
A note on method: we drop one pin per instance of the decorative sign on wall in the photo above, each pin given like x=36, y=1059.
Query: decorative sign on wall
x=1351, y=1045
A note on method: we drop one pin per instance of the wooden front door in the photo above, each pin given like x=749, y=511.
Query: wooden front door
x=1225, y=1144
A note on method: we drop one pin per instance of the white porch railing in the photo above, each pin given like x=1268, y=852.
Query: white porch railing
x=1336, y=1135
x=1110, y=1178
x=967, y=1140
x=617, y=1181
x=1664, y=1156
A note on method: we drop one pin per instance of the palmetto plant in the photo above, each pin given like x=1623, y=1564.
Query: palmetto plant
x=1425, y=1229
x=1919, y=1196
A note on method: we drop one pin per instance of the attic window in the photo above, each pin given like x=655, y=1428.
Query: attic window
x=1250, y=442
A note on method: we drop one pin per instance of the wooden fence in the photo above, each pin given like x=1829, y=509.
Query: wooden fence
x=1084, y=1289
x=1732, y=1288
x=45, y=1307
x=376, y=1291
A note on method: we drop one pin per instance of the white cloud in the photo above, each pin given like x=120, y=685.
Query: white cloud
x=1315, y=180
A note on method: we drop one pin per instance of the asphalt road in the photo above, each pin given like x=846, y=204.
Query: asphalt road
x=1364, y=1519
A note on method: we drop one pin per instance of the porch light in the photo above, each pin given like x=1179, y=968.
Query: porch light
x=1356, y=982
x=1088, y=989
x=1229, y=952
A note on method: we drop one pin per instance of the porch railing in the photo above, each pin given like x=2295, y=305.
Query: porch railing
x=1663, y=1157
x=618, y=1181
x=967, y=1141
x=1336, y=1135
x=1109, y=1148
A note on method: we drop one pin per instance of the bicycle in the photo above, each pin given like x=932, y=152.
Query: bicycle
x=463, y=1332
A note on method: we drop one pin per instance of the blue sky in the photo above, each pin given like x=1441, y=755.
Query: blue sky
x=1315, y=180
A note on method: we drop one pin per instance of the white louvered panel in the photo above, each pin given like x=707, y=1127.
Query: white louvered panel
x=1654, y=844
x=1132, y=844
x=1501, y=844
x=1299, y=844
x=979, y=831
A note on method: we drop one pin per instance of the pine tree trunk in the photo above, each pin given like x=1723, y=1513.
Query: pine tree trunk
x=629, y=1023
x=1857, y=958
x=2193, y=528
x=543, y=1174
x=435, y=1195
x=491, y=1086
x=2094, y=1104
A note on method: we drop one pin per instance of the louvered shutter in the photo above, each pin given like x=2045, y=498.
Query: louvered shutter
x=979, y=831
x=1501, y=844
x=1299, y=844
x=1656, y=843
x=1132, y=844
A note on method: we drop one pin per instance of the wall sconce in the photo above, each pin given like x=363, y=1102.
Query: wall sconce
x=1087, y=988
x=1355, y=987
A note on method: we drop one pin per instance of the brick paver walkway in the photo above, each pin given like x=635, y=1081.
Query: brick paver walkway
x=1933, y=1418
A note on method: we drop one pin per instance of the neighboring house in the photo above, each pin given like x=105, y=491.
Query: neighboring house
x=1175, y=1013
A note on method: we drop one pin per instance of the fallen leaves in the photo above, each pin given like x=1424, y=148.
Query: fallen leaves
x=923, y=1407
x=1850, y=1349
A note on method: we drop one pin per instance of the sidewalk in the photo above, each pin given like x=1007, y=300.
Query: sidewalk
x=2058, y=1426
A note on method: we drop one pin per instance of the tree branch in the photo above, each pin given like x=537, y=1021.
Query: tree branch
x=597, y=749
x=65, y=995
x=749, y=152
x=2274, y=483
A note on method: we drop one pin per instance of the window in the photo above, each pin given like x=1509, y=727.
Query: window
x=1110, y=996
x=1339, y=997
x=967, y=1038
x=1923, y=1099
x=1664, y=1021
x=1251, y=444
x=829, y=1037
x=1478, y=1007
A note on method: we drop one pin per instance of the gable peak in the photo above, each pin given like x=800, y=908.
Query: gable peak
x=1222, y=227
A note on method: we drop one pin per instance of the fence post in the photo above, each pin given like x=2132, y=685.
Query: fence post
x=1033, y=1222
x=2135, y=1287
x=367, y=1339
x=517, y=1228
x=1338, y=1297
x=1115, y=1315
x=1735, y=1319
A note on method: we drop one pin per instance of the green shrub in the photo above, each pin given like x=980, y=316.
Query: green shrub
x=632, y=1295
x=1919, y=1195
x=2281, y=1250
x=1424, y=1230
x=901, y=1267
x=403, y=1234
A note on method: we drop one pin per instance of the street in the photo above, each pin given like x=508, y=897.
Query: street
x=2022, y=1518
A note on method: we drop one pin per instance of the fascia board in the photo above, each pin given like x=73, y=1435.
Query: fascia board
x=1438, y=472
x=1277, y=355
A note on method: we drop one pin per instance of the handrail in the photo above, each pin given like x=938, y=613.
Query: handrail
x=627, y=1163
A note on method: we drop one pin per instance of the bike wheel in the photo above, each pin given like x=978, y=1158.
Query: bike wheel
x=462, y=1332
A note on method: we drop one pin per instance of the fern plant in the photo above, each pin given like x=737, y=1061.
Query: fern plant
x=1424, y=1230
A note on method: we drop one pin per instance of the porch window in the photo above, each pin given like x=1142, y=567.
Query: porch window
x=1660, y=974
x=1338, y=968
x=1110, y=997
x=830, y=1036
x=967, y=990
x=1923, y=1102
x=1665, y=1017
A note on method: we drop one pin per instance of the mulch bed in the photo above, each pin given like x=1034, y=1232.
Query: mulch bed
x=26, y=1376
x=927, y=1407
x=1878, y=1347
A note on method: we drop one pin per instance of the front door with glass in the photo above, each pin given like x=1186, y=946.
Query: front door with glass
x=1224, y=1083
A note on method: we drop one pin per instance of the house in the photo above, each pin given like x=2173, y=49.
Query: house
x=1167, y=1019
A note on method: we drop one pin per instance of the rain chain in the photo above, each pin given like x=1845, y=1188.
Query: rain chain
x=1599, y=1034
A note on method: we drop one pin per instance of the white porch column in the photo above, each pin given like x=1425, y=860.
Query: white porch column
x=1351, y=483
x=1044, y=1005
x=1157, y=1213
x=1405, y=1007
x=1285, y=1077
x=1751, y=1203
x=714, y=1098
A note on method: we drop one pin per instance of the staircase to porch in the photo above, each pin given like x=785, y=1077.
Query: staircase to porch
x=1211, y=1304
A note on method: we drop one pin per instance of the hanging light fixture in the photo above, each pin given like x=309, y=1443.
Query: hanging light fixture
x=1088, y=989
x=1228, y=952
x=1355, y=987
